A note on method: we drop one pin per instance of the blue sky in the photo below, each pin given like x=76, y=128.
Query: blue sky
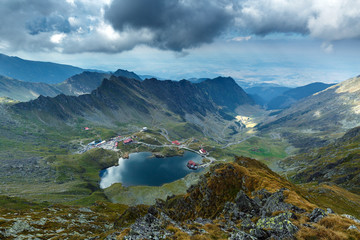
x=280, y=41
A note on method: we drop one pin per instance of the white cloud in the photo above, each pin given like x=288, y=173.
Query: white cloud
x=240, y=39
x=57, y=38
x=335, y=20
x=327, y=47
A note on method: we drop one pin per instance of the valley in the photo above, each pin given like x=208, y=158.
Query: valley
x=261, y=170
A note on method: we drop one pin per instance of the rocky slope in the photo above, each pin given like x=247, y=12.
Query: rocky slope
x=239, y=200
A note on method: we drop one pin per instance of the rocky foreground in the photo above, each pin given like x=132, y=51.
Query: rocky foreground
x=240, y=200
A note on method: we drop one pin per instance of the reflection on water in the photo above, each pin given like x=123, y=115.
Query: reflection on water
x=141, y=169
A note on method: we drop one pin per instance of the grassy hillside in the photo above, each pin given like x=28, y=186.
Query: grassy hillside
x=338, y=163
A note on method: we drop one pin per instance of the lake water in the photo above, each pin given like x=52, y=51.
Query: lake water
x=142, y=169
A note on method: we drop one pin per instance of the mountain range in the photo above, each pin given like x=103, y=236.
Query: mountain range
x=273, y=96
x=291, y=96
x=335, y=110
x=121, y=99
x=78, y=84
x=52, y=174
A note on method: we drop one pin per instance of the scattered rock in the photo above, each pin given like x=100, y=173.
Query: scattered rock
x=329, y=211
x=240, y=235
x=275, y=202
x=353, y=227
x=246, y=204
x=317, y=214
x=247, y=224
x=279, y=226
x=351, y=217
x=18, y=227
x=148, y=227
x=85, y=210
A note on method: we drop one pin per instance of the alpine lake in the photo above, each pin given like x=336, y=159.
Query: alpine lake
x=144, y=169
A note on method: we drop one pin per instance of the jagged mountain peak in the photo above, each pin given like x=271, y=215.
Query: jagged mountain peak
x=126, y=73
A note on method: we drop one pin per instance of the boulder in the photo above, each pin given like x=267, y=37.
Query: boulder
x=280, y=226
x=317, y=214
x=240, y=235
x=246, y=204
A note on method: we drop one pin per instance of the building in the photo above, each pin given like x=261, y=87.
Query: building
x=203, y=151
x=127, y=141
x=192, y=165
x=176, y=142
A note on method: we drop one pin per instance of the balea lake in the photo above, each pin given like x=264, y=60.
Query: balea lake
x=142, y=169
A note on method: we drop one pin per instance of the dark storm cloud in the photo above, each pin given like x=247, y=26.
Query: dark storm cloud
x=52, y=23
x=76, y=26
x=174, y=24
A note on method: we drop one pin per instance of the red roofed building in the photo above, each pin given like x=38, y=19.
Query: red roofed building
x=176, y=142
x=129, y=140
x=192, y=165
x=203, y=151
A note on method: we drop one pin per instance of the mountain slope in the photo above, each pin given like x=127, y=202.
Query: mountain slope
x=25, y=91
x=34, y=71
x=289, y=97
x=338, y=163
x=122, y=100
x=239, y=200
x=331, y=111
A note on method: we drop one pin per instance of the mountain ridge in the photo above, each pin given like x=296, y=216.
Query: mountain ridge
x=122, y=99
x=36, y=71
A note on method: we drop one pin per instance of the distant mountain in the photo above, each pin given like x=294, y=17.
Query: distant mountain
x=78, y=84
x=127, y=74
x=291, y=96
x=25, y=91
x=122, y=99
x=35, y=71
x=324, y=114
x=82, y=83
x=225, y=92
x=143, y=77
x=262, y=95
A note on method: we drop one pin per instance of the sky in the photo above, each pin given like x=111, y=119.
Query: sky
x=287, y=42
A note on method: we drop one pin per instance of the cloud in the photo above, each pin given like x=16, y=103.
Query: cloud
x=327, y=20
x=240, y=39
x=174, y=24
x=76, y=26
x=327, y=47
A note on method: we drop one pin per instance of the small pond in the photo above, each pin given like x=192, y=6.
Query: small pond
x=142, y=169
